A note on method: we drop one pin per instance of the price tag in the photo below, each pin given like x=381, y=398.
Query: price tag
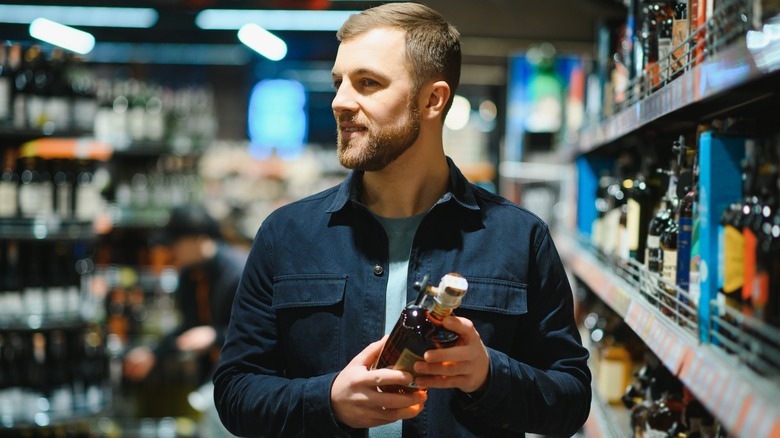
x=632, y=316
x=733, y=406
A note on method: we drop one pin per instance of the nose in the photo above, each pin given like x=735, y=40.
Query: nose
x=345, y=99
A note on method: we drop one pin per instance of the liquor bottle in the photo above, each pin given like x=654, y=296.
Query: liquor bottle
x=665, y=43
x=62, y=178
x=55, y=281
x=37, y=116
x=59, y=99
x=87, y=200
x=35, y=190
x=68, y=259
x=11, y=281
x=6, y=85
x=679, y=34
x=37, y=377
x=83, y=88
x=762, y=296
x=9, y=185
x=687, y=161
x=640, y=209
x=13, y=366
x=23, y=85
x=419, y=329
x=59, y=391
x=33, y=292
x=752, y=218
x=94, y=366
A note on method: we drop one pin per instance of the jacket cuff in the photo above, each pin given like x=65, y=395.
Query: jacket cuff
x=317, y=407
x=492, y=394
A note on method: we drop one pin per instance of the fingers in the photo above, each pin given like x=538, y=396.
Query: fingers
x=368, y=356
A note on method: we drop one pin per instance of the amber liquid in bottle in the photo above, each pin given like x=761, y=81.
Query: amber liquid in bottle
x=419, y=330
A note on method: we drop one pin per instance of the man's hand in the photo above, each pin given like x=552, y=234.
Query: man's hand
x=358, y=403
x=464, y=366
x=197, y=339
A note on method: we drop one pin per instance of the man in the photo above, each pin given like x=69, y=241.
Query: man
x=322, y=272
x=209, y=275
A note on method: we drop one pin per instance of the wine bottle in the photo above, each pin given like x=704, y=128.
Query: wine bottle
x=6, y=86
x=11, y=281
x=9, y=185
x=419, y=329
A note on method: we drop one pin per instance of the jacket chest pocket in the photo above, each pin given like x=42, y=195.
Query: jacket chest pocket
x=308, y=310
x=497, y=308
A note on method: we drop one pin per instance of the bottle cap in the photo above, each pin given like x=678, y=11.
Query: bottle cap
x=451, y=290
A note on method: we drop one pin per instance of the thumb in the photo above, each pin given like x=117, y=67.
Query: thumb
x=368, y=356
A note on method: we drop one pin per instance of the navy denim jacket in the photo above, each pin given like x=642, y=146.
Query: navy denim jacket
x=312, y=297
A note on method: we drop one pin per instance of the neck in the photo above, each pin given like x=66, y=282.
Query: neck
x=410, y=185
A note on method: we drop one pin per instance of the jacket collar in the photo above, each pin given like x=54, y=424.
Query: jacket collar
x=459, y=191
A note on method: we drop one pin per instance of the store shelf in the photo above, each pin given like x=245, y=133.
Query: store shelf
x=45, y=228
x=10, y=134
x=138, y=218
x=746, y=403
x=741, y=64
x=606, y=421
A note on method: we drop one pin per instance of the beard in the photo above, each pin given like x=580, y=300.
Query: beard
x=382, y=145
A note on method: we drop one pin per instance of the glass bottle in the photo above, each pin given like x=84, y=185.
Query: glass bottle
x=9, y=185
x=6, y=85
x=419, y=329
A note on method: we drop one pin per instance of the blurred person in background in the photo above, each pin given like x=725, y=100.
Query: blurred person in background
x=327, y=276
x=209, y=273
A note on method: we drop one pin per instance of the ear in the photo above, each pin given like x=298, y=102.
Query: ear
x=435, y=97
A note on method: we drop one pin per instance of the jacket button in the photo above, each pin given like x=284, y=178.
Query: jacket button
x=378, y=270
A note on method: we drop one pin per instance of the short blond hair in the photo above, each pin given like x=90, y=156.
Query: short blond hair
x=432, y=44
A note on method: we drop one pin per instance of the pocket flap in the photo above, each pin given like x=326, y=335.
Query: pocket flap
x=499, y=296
x=308, y=290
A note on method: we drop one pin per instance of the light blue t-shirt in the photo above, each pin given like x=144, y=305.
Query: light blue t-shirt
x=400, y=236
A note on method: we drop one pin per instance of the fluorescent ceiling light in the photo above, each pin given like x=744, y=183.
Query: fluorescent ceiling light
x=60, y=35
x=221, y=19
x=262, y=41
x=80, y=15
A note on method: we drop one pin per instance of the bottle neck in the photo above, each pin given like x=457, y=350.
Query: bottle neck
x=439, y=312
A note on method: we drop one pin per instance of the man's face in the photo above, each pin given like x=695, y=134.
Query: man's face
x=377, y=116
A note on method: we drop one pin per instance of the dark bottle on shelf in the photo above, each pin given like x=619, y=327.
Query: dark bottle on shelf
x=9, y=185
x=55, y=280
x=763, y=299
x=752, y=218
x=59, y=99
x=40, y=91
x=640, y=210
x=62, y=179
x=83, y=89
x=59, y=391
x=34, y=290
x=419, y=329
x=37, y=374
x=35, y=190
x=86, y=196
x=23, y=87
x=6, y=86
x=687, y=161
x=10, y=281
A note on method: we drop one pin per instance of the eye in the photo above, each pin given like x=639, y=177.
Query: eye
x=366, y=82
x=337, y=84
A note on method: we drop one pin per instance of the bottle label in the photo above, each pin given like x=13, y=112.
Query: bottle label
x=87, y=202
x=63, y=201
x=664, y=49
x=406, y=361
x=679, y=34
x=56, y=300
x=84, y=114
x=751, y=246
x=5, y=98
x=35, y=198
x=7, y=199
x=73, y=305
x=34, y=301
x=684, y=252
x=733, y=259
x=612, y=382
x=36, y=112
x=760, y=293
x=58, y=112
x=721, y=255
x=632, y=224
x=669, y=273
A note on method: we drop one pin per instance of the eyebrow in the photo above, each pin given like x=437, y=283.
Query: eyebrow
x=361, y=71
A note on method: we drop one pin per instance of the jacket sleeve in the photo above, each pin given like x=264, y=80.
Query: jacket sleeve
x=251, y=393
x=543, y=385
